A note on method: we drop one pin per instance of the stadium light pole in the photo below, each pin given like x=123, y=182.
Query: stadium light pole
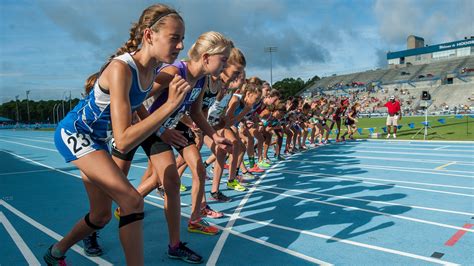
x=62, y=101
x=54, y=115
x=28, y=106
x=271, y=49
x=17, y=110
x=57, y=112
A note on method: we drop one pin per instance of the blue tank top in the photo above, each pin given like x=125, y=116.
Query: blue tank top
x=190, y=98
x=92, y=114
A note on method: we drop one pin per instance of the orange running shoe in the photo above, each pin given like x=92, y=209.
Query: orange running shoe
x=202, y=226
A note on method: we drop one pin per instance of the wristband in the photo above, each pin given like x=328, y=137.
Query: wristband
x=160, y=131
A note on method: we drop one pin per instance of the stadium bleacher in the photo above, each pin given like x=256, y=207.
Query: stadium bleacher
x=450, y=83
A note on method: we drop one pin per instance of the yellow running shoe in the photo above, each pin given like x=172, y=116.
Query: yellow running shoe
x=235, y=185
x=117, y=213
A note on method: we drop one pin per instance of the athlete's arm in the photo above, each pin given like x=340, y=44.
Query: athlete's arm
x=198, y=117
x=162, y=80
x=117, y=77
x=231, y=107
x=201, y=122
x=242, y=114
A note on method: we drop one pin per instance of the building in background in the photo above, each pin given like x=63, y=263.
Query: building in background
x=417, y=53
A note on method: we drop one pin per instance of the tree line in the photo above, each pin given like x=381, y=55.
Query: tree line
x=40, y=111
x=291, y=87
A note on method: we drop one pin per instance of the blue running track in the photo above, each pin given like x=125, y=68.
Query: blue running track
x=354, y=203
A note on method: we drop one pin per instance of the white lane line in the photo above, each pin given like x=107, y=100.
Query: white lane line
x=395, y=168
x=256, y=240
x=443, y=147
x=161, y=199
x=415, y=153
x=378, y=147
x=349, y=157
x=370, y=211
x=33, y=140
x=43, y=165
x=358, y=179
x=32, y=146
x=51, y=233
x=444, y=165
x=349, y=242
x=369, y=201
x=19, y=242
x=26, y=172
x=421, y=142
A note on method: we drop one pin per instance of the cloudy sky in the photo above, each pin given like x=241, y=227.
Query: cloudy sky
x=51, y=46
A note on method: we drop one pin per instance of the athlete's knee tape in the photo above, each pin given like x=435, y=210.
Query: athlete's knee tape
x=91, y=225
x=127, y=219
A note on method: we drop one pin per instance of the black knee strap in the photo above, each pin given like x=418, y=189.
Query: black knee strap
x=91, y=225
x=124, y=220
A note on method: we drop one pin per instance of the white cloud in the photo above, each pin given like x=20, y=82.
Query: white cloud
x=437, y=21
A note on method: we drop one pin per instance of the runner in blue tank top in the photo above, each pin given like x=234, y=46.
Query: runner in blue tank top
x=81, y=136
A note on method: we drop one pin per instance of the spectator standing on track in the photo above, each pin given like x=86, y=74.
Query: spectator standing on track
x=394, y=114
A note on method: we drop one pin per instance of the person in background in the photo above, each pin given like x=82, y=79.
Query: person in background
x=394, y=114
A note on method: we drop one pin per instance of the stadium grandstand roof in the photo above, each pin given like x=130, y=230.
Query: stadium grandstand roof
x=431, y=49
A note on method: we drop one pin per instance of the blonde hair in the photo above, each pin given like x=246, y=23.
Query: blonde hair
x=210, y=42
x=90, y=81
x=236, y=57
x=153, y=17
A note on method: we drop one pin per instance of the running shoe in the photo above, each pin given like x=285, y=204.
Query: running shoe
x=235, y=185
x=246, y=162
x=202, y=226
x=226, y=166
x=219, y=196
x=184, y=253
x=256, y=169
x=91, y=246
x=210, y=213
x=182, y=188
x=394, y=136
x=52, y=260
x=263, y=164
x=117, y=213
x=248, y=176
x=161, y=191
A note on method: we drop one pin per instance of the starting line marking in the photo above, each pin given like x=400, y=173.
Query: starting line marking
x=455, y=238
